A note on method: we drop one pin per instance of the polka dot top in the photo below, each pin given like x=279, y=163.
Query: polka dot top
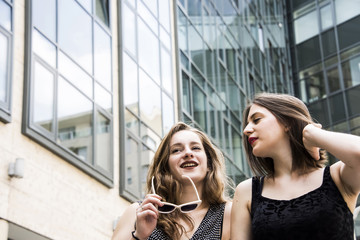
x=210, y=227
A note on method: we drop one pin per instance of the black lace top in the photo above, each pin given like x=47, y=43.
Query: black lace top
x=319, y=214
x=210, y=227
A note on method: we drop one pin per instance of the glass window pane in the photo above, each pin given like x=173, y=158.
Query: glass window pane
x=148, y=17
x=74, y=74
x=132, y=123
x=4, y=67
x=132, y=167
x=149, y=51
x=166, y=71
x=43, y=94
x=102, y=57
x=150, y=103
x=236, y=145
x=86, y=4
x=186, y=93
x=326, y=17
x=5, y=15
x=306, y=27
x=182, y=31
x=103, y=98
x=349, y=33
x=75, y=37
x=308, y=52
x=103, y=142
x=319, y=112
x=353, y=100
x=45, y=49
x=130, y=84
x=316, y=87
x=200, y=106
x=337, y=107
x=149, y=137
x=196, y=47
x=333, y=79
x=165, y=38
x=234, y=100
x=153, y=5
x=329, y=42
x=102, y=11
x=164, y=14
x=168, y=113
x=346, y=10
x=44, y=17
x=74, y=121
x=129, y=29
x=351, y=72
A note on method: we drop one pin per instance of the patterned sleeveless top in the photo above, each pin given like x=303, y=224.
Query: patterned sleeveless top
x=319, y=214
x=210, y=227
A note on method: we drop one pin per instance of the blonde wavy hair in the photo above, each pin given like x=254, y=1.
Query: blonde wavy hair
x=169, y=188
x=293, y=113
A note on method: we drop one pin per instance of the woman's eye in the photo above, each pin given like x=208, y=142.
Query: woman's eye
x=175, y=150
x=197, y=148
x=256, y=120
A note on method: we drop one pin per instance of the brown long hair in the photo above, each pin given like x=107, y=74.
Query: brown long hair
x=169, y=188
x=293, y=113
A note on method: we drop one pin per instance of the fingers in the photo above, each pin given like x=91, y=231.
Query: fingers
x=149, y=206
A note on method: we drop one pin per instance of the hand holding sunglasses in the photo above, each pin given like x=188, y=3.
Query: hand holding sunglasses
x=184, y=208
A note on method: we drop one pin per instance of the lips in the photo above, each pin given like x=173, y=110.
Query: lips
x=188, y=164
x=251, y=140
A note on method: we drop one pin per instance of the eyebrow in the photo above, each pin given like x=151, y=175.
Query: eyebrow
x=253, y=115
x=180, y=144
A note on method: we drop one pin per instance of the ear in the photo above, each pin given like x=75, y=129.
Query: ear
x=287, y=129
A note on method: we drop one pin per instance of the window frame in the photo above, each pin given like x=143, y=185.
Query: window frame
x=46, y=139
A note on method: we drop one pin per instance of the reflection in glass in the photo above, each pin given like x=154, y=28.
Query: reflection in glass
x=132, y=123
x=196, y=48
x=45, y=49
x=168, y=113
x=103, y=97
x=319, y=112
x=44, y=17
x=200, y=106
x=346, y=10
x=164, y=14
x=74, y=121
x=102, y=10
x=150, y=103
x=326, y=17
x=5, y=15
x=74, y=74
x=43, y=105
x=4, y=48
x=306, y=27
x=351, y=72
x=132, y=167
x=182, y=31
x=75, y=37
x=129, y=29
x=149, y=51
x=333, y=79
x=86, y=4
x=149, y=19
x=103, y=142
x=146, y=156
x=102, y=57
x=186, y=99
x=316, y=87
x=130, y=84
x=166, y=71
x=149, y=137
x=236, y=145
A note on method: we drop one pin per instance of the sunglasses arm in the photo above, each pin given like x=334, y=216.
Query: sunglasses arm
x=197, y=194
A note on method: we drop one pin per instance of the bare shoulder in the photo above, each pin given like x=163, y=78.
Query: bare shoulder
x=244, y=188
x=126, y=222
x=226, y=221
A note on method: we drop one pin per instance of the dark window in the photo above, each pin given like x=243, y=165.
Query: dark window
x=349, y=33
x=70, y=85
x=337, y=107
x=328, y=42
x=333, y=79
x=319, y=112
x=308, y=52
x=353, y=100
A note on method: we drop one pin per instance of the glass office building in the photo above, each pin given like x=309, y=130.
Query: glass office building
x=88, y=88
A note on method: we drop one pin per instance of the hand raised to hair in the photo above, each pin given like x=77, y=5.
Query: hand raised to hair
x=309, y=141
x=147, y=215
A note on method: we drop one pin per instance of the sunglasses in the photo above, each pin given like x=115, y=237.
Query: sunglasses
x=184, y=208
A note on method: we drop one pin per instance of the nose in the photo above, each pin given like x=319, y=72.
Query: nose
x=188, y=152
x=248, y=129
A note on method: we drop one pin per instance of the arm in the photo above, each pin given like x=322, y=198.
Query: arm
x=145, y=216
x=345, y=147
x=240, y=213
x=226, y=222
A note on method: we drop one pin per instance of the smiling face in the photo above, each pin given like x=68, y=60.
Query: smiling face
x=187, y=156
x=265, y=133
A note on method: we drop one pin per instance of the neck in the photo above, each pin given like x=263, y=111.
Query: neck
x=188, y=194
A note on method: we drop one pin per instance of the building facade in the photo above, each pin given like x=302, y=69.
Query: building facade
x=88, y=88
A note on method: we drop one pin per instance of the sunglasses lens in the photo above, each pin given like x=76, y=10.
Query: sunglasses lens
x=189, y=207
x=166, y=208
